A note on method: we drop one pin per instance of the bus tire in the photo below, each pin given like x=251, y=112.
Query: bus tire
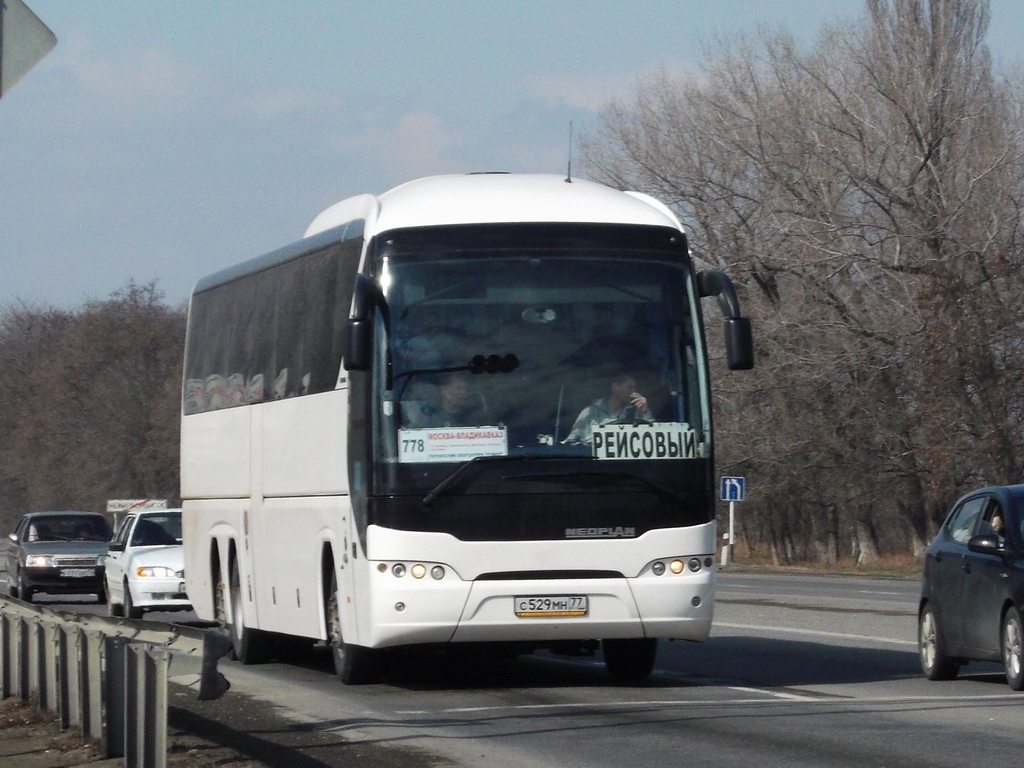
x=629, y=661
x=250, y=646
x=354, y=664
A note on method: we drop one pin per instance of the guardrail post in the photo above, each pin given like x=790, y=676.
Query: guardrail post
x=22, y=644
x=69, y=704
x=46, y=644
x=145, y=696
x=89, y=651
x=113, y=694
x=6, y=656
x=36, y=654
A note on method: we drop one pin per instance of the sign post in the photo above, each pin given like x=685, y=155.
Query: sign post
x=733, y=489
x=118, y=507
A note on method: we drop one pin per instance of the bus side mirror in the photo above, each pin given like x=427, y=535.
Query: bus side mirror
x=739, y=340
x=359, y=330
x=739, y=344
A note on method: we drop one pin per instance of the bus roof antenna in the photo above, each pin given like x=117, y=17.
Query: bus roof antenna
x=568, y=174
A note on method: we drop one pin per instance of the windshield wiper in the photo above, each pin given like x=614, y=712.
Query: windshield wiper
x=600, y=478
x=476, y=463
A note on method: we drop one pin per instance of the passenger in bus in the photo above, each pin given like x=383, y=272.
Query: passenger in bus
x=457, y=405
x=622, y=404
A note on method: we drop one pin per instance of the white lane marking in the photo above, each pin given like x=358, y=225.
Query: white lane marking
x=774, y=694
x=781, y=698
x=816, y=632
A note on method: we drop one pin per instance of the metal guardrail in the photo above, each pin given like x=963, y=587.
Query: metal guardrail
x=106, y=677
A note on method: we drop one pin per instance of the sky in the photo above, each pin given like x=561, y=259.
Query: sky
x=162, y=141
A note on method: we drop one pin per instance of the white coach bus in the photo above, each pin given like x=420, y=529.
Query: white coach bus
x=385, y=438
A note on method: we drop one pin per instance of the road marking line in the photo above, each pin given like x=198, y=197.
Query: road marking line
x=780, y=699
x=816, y=632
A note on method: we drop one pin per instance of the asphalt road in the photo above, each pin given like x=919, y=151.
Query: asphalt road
x=799, y=671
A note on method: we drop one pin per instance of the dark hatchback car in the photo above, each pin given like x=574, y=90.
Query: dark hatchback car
x=58, y=553
x=972, y=592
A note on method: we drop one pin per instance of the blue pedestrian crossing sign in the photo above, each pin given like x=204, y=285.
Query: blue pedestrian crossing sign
x=734, y=488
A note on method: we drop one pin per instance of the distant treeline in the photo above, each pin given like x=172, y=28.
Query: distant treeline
x=89, y=403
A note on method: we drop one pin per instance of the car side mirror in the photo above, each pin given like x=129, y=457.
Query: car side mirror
x=986, y=544
x=115, y=546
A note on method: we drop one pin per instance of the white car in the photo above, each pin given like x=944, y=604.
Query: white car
x=145, y=565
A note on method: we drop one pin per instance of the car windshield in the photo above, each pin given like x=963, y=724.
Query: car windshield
x=157, y=530
x=67, y=528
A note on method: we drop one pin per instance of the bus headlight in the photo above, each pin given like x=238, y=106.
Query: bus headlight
x=658, y=568
x=398, y=569
x=676, y=566
x=694, y=564
x=437, y=572
x=419, y=571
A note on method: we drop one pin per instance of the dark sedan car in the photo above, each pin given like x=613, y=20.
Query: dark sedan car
x=58, y=553
x=972, y=594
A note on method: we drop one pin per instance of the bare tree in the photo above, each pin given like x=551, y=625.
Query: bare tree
x=98, y=394
x=868, y=194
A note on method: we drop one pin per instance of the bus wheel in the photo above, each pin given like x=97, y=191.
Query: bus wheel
x=354, y=664
x=250, y=646
x=629, y=661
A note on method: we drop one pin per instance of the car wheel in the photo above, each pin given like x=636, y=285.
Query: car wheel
x=24, y=590
x=1012, y=648
x=935, y=664
x=251, y=646
x=629, y=661
x=354, y=664
x=113, y=609
x=130, y=611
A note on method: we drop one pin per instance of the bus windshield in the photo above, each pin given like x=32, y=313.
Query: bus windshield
x=578, y=346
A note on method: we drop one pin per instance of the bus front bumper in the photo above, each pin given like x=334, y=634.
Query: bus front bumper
x=677, y=606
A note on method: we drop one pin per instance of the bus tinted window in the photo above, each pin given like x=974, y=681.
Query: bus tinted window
x=271, y=334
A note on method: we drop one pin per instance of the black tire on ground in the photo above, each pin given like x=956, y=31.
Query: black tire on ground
x=1011, y=646
x=25, y=592
x=935, y=663
x=354, y=664
x=629, y=661
x=250, y=646
x=130, y=611
x=113, y=609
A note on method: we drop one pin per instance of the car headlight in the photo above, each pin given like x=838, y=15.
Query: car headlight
x=159, y=571
x=39, y=561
